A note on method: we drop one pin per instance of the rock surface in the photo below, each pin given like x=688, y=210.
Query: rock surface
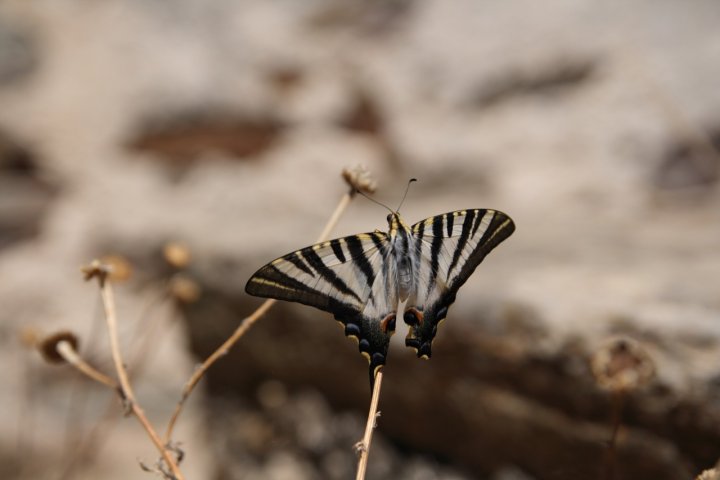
x=224, y=126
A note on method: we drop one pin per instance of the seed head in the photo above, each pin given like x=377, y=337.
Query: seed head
x=96, y=269
x=359, y=178
x=49, y=345
x=176, y=254
x=622, y=364
x=119, y=268
x=184, y=288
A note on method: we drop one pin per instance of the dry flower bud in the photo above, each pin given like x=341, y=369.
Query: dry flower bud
x=184, y=289
x=359, y=178
x=96, y=269
x=49, y=345
x=622, y=364
x=176, y=254
x=119, y=267
x=29, y=337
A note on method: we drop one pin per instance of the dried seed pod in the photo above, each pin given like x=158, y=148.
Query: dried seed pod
x=96, y=269
x=176, y=254
x=184, y=289
x=49, y=345
x=119, y=267
x=621, y=365
x=359, y=178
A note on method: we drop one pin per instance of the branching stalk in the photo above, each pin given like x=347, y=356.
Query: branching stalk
x=128, y=394
x=244, y=326
x=66, y=350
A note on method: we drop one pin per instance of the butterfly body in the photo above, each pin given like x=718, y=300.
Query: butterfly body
x=362, y=279
x=400, y=237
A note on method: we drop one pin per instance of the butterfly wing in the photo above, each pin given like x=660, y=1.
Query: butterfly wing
x=448, y=248
x=348, y=277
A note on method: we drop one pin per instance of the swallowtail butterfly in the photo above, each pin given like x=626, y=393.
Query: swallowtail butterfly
x=362, y=279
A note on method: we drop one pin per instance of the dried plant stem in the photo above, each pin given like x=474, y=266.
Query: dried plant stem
x=244, y=326
x=86, y=444
x=89, y=443
x=611, y=457
x=364, y=446
x=128, y=393
x=341, y=206
x=223, y=350
x=66, y=350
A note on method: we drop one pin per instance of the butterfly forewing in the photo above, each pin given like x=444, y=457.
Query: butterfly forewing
x=447, y=250
x=349, y=277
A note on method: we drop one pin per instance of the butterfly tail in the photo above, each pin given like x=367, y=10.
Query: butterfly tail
x=373, y=338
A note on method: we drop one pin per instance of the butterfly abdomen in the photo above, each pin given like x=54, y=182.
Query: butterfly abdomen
x=400, y=241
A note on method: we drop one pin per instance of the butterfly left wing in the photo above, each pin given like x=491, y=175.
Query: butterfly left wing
x=348, y=277
x=448, y=248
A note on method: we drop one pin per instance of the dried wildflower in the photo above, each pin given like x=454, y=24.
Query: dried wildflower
x=184, y=289
x=621, y=365
x=360, y=179
x=118, y=266
x=96, y=269
x=176, y=254
x=49, y=346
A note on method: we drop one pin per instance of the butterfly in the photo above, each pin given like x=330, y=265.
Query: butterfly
x=364, y=279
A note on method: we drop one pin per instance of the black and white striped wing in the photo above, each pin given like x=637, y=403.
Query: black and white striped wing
x=348, y=277
x=447, y=250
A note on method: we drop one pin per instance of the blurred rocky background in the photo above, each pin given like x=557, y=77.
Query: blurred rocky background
x=223, y=126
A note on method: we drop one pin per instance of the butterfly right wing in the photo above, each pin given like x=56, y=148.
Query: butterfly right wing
x=448, y=248
x=348, y=277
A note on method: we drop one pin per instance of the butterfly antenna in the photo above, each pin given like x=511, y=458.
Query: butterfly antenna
x=373, y=200
x=406, y=192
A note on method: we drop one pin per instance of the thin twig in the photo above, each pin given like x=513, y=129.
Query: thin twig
x=341, y=206
x=611, y=456
x=129, y=395
x=244, y=326
x=66, y=350
x=80, y=396
x=364, y=446
x=87, y=446
x=221, y=351
x=145, y=334
x=88, y=443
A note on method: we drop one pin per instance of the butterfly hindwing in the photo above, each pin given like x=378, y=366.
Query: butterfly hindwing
x=447, y=249
x=348, y=277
